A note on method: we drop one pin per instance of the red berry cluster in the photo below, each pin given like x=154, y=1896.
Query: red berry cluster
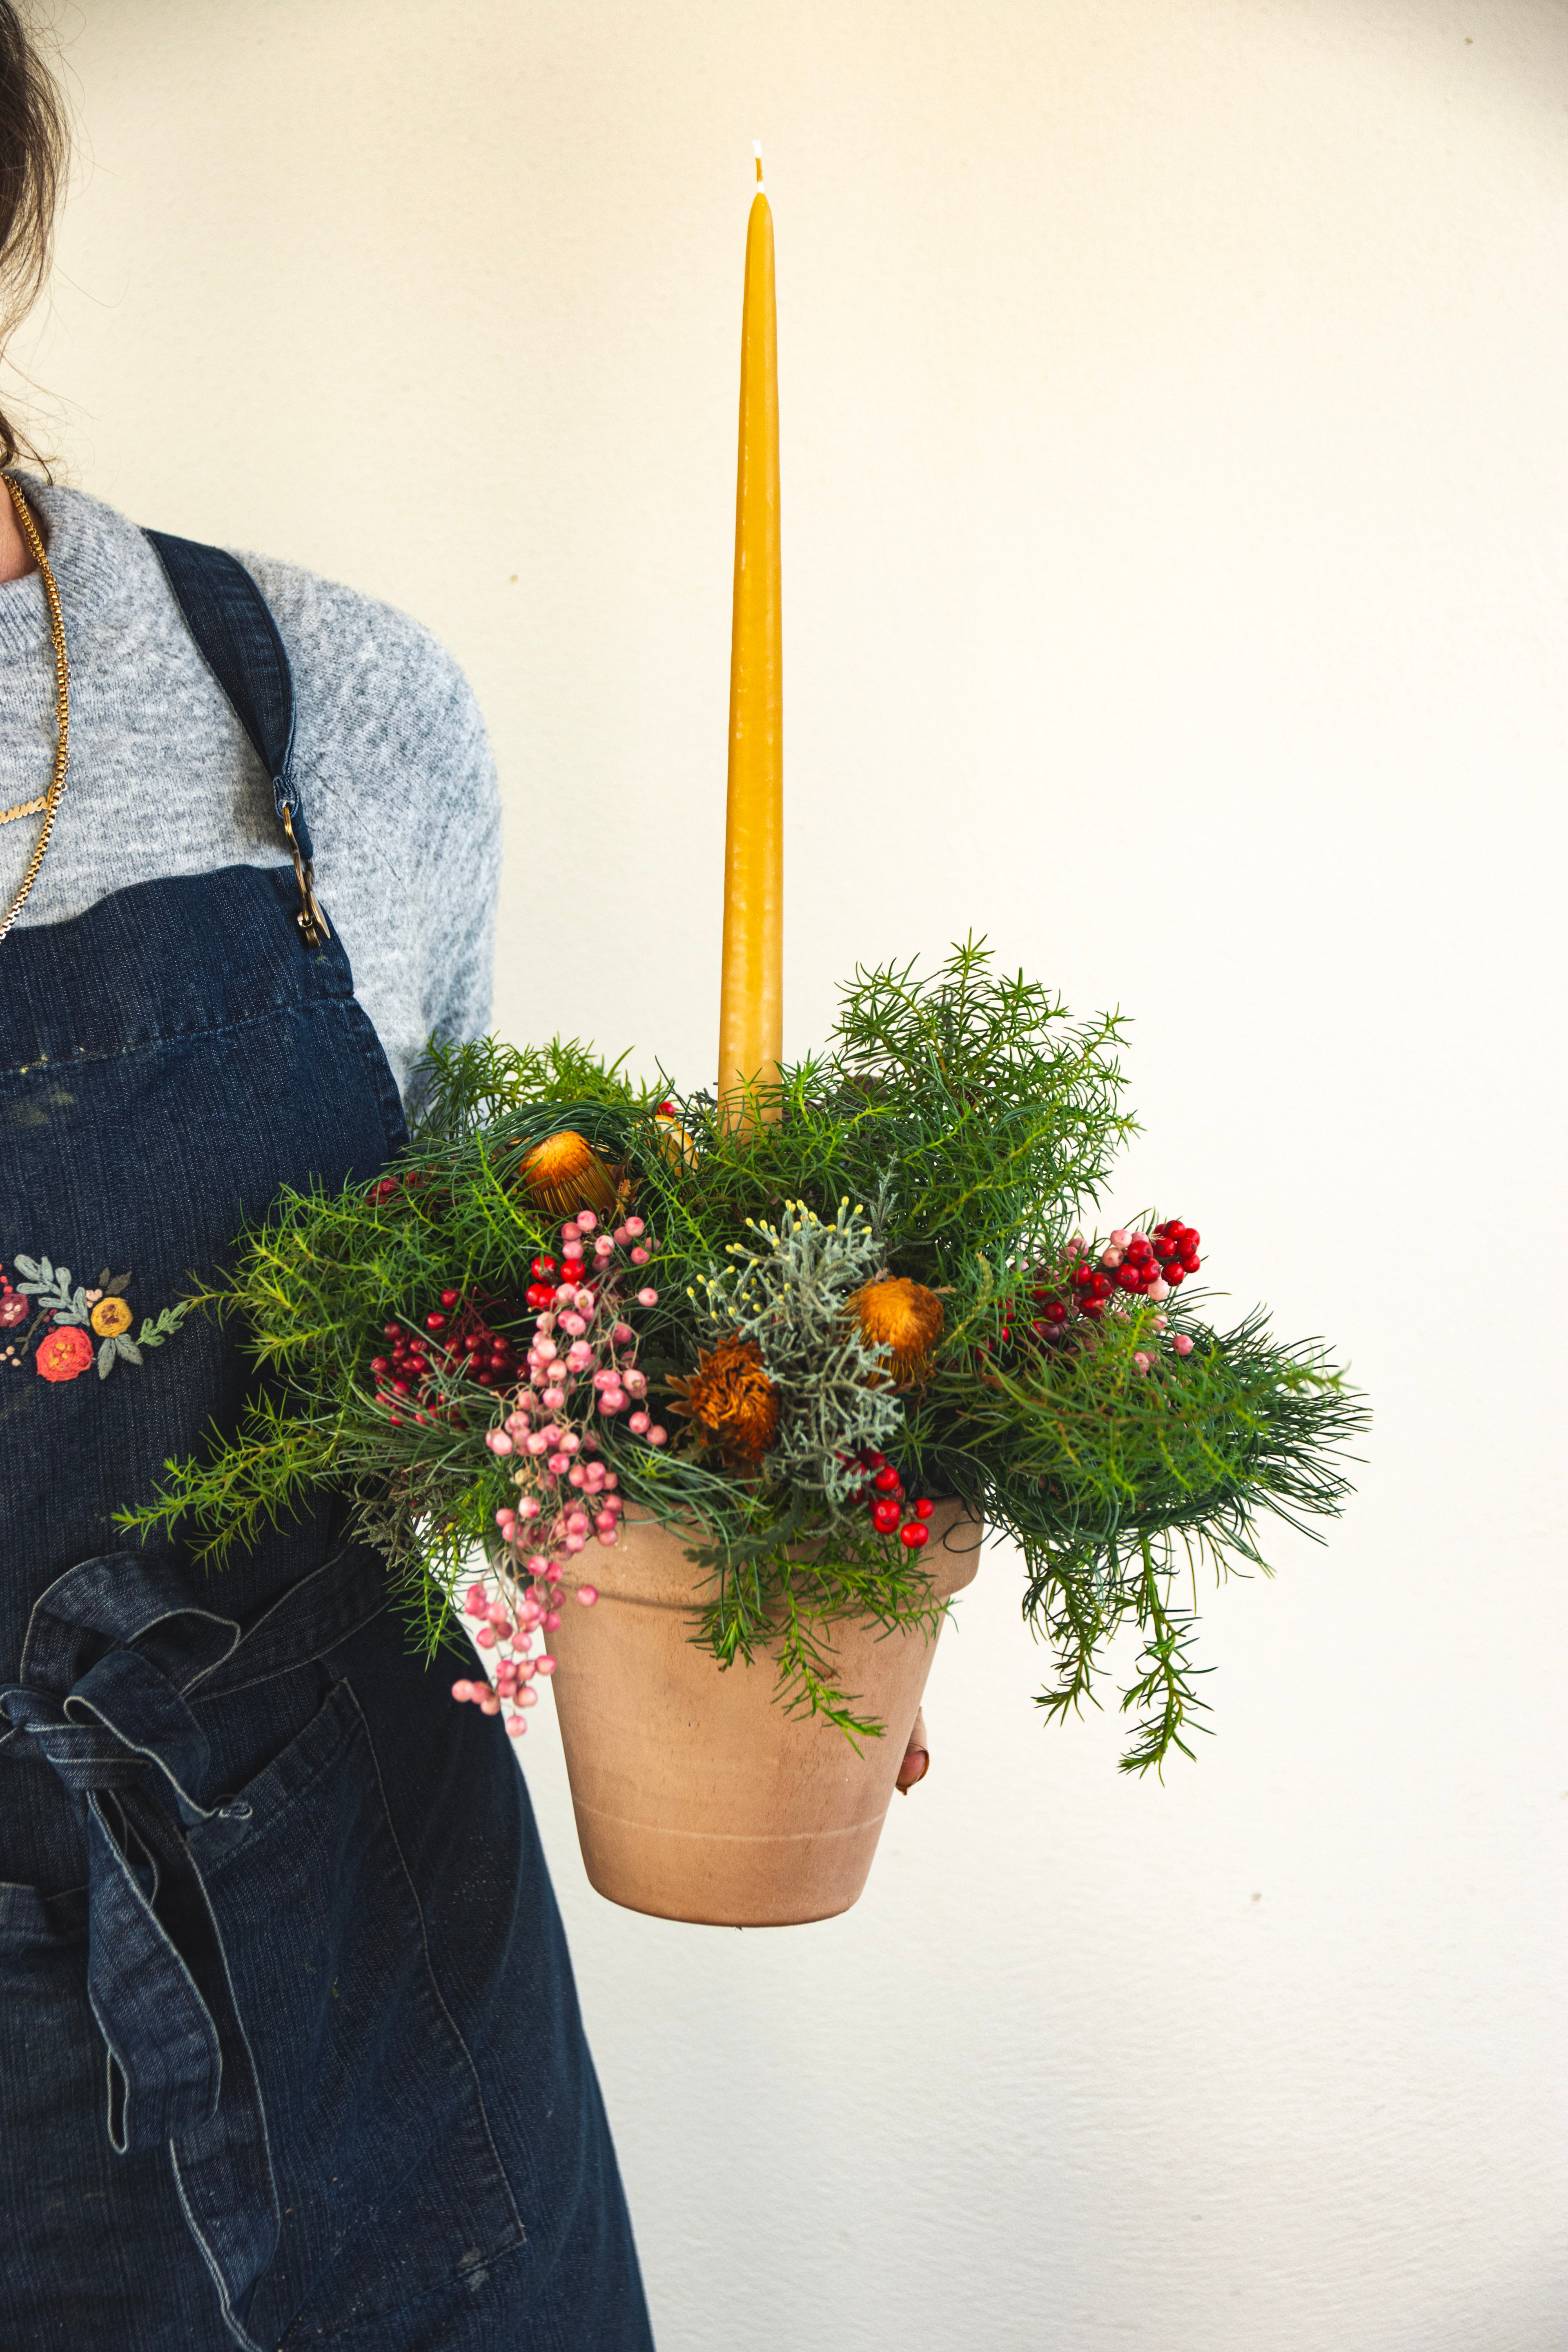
x=461, y=1343
x=541, y=1292
x=391, y=1187
x=1175, y=1246
x=1144, y=1265
x=1140, y=1266
x=882, y=1491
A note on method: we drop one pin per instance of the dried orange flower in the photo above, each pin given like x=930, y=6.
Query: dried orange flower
x=731, y=1399
x=564, y=1173
x=904, y=1316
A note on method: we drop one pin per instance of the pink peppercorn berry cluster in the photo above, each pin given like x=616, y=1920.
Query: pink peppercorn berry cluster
x=882, y=1491
x=581, y=1372
x=508, y=1629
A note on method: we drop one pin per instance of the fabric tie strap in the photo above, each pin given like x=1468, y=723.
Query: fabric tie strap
x=115, y=1650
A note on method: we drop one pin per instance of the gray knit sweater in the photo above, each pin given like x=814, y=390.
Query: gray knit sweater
x=390, y=754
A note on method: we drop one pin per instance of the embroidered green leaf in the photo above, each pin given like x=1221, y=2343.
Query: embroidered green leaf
x=127, y=1347
x=51, y=1287
x=106, y=1359
x=153, y=1333
x=115, y=1286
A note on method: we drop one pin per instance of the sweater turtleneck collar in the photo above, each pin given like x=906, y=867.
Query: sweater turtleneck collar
x=94, y=553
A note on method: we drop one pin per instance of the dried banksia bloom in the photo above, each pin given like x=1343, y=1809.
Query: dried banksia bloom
x=564, y=1173
x=731, y=1399
x=903, y=1317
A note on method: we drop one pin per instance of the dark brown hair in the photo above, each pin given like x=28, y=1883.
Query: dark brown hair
x=34, y=145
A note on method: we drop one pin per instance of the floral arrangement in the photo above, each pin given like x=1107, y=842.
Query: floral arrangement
x=788, y=1335
x=66, y=1327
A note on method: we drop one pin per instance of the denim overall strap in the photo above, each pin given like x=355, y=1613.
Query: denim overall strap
x=114, y=1649
x=237, y=638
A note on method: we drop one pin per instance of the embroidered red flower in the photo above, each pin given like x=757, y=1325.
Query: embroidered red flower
x=65, y=1352
x=14, y=1309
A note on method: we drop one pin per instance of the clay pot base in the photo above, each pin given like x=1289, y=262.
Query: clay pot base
x=696, y=1796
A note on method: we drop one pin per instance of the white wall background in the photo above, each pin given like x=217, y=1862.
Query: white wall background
x=1174, y=529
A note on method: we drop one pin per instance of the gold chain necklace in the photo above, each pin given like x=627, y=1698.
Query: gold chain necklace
x=48, y=803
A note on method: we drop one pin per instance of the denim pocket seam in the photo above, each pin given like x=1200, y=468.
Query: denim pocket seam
x=383, y=1085
x=348, y=1687
x=267, y=1013
x=518, y=2238
x=213, y=1863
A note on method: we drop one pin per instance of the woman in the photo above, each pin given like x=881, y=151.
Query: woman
x=291, y=2053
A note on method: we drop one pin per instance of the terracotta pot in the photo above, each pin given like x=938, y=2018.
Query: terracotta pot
x=696, y=1796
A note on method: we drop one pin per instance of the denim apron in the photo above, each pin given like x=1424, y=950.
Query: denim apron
x=289, y=2049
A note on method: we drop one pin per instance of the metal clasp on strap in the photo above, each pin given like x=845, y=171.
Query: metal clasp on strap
x=312, y=922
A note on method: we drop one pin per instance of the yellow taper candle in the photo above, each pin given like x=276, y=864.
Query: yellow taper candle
x=751, y=994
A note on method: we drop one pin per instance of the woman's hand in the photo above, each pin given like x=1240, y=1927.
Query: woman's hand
x=917, y=1757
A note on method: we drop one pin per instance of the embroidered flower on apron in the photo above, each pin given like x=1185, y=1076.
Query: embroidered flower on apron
x=63, y=1316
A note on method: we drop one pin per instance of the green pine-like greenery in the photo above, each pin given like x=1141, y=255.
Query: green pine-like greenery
x=968, y=1115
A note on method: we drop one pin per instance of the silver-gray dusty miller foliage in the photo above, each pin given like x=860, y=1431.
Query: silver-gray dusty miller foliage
x=788, y=1290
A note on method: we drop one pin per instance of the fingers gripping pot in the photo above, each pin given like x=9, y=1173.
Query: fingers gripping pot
x=698, y=1796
